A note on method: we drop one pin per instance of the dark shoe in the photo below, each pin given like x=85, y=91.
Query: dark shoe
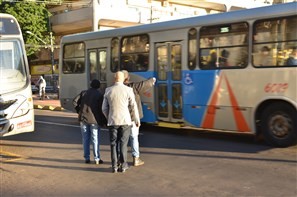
x=99, y=162
x=87, y=161
x=114, y=170
x=137, y=161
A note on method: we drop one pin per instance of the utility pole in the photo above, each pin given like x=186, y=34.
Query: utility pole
x=52, y=53
x=51, y=47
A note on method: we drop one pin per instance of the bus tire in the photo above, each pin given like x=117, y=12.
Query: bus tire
x=279, y=125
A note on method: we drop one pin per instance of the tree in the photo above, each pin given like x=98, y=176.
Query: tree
x=32, y=17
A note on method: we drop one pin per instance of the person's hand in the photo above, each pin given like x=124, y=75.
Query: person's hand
x=137, y=124
x=154, y=79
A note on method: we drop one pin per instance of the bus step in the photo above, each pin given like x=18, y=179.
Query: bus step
x=170, y=125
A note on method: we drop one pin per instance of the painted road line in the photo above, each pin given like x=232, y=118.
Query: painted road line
x=65, y=125
x=8, y=155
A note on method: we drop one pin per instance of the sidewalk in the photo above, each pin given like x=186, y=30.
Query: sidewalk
x=51, y=102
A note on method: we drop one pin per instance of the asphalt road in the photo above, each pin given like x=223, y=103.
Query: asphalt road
x=49, y=162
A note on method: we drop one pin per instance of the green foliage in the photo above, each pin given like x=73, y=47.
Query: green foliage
x=32, y=17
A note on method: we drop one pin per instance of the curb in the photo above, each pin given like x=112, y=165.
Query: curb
x=47, y=107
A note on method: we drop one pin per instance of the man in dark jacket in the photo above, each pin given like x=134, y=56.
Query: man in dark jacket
x=91, y=118
x=138, y=87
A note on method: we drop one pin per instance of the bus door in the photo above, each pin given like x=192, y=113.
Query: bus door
x=98, y=64
x=169, y=86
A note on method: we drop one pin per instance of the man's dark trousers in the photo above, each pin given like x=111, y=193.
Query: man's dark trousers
x=119, y=137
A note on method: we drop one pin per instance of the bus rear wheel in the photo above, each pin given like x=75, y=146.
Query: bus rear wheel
x=279, y=125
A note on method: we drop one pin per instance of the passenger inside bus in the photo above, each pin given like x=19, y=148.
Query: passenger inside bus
x=292, y=60
x=223, y=60
x=128, y=63
x=78, y=68
x=266, y=58
x=67, y=67
x=212, y=61
x=142, y=62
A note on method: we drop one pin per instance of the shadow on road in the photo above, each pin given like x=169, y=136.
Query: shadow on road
x=66, y=130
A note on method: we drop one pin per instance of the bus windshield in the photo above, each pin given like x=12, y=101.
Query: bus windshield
x=12, y=67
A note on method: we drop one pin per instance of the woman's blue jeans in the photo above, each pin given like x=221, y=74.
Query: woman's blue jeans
x=90, y=133
x=134, y=140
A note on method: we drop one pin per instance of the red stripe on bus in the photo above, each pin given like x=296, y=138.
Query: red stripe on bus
x=211, y=110
x=238, y=116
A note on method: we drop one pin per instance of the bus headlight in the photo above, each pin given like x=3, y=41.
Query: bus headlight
x=22, y=110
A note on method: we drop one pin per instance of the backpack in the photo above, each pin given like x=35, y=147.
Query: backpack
x=77, y=101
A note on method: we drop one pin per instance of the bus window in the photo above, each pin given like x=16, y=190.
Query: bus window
x=274, y=42
x=115, y=51
x=102, y=65
x=162, y=98
x=93, y=64
x=12, y=66
x=224, y=46
x=176, y=62
x=192, y=50
x=135, y=53
x=177, y=98
x=162, y=66
x=74, y=58
x=8, y=27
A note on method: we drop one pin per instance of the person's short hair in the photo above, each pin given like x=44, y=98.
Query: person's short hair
x=95, y=83
x=225, y=53
x=126, y=74
x=265, y=48
x=119, y=76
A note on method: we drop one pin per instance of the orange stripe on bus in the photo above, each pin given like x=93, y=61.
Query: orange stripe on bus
x=211, y=110
x=239, y=118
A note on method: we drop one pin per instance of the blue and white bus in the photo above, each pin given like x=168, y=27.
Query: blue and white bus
x=16, y=103
x=227, y=71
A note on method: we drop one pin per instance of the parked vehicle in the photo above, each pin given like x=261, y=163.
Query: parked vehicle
x=16, y=111
x=34, y=88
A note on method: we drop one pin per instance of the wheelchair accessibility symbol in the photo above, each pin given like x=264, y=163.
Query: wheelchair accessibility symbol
x=188, y=80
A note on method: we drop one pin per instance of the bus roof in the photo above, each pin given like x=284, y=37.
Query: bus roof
x=233, y=16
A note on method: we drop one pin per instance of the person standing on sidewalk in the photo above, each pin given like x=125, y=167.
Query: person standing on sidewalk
x=91, y=119
x=138, y=87
x=120, y=109
x=41, y=85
